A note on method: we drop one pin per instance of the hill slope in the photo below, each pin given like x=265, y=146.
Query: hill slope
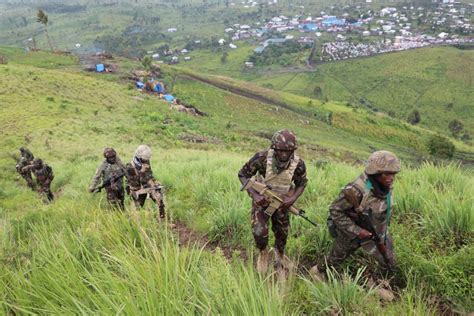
x=74, y=255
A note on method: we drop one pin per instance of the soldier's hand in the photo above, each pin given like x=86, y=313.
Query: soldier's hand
x=260, y=200
x=91, y=190
x=287, y=202
x=364, y=234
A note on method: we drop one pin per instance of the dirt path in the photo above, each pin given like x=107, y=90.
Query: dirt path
x=189, y=237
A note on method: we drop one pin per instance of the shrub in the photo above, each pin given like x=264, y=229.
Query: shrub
x=414, y=117
x=441, y=147
x=456, y=127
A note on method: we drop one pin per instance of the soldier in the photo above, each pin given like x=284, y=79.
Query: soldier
x=360, y=216
x=282, y=170
x=111, y=172
x=44, y=176
x=140, y=180
x=26, y=159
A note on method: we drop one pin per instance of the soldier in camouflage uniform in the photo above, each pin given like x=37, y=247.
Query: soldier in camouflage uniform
x=44, y=176
x=282, y=170
x=140, y=180
x=373, y=192
x=26, y=159
x=111, y=172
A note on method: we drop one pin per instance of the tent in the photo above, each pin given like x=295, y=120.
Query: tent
x=168, y=97
x=140, y=85
x=100, y=67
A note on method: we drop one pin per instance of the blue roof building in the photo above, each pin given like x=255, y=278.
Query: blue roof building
x=333, y=21
x=309, y=27
x=259, y=49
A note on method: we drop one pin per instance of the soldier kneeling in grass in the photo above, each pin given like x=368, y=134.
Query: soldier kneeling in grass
x=140, y=180
x=360, y=216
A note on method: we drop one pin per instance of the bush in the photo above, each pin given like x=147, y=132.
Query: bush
x=456, y=127
x=414, y=117
x=441, y=147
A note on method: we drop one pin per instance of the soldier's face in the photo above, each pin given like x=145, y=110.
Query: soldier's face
x=111, y=160
x=283, y=155
x=387, y=179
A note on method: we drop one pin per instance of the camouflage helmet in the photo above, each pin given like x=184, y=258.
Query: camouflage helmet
x=284, y=140
x=109, y=152
x=382, y=161
x=143, y=152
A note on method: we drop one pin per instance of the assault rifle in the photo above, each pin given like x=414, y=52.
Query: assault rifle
x=274, y=198
x=363, y=220
x=155, y=190
x=109, y=181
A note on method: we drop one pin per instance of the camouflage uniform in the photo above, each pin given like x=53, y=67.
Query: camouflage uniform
x=44, y=176
x=140, y=176
x=373, y=199
x=25, y=160
x=263, y=165
x=108, y=170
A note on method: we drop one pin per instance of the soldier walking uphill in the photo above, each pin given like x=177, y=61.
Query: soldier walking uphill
x=282, y=170
x=44, y=176
x=111, y=172
x=26, y=159
x=140, y=180
x=360, y=215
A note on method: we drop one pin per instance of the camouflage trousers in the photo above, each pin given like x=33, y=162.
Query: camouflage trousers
x=45, y=189
x=140, y=201
x=344, y=246
x=29, y=179
x=116, y=197
x=280, y=225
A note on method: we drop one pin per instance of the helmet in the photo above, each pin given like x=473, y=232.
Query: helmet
x=143, y=152
x=109, y=152
x=284, y=140
x=382, y=161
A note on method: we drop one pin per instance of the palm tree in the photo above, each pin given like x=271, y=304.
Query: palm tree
x=42, y=18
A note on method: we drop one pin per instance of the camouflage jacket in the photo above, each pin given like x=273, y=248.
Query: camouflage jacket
x=139, y=178
x=44, y=175
x=25, y=160
x=376, y=203
x=107, y=170
x=258, y=165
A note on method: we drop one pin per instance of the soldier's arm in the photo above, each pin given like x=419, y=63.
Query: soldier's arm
x=300, y=180
x=252, y=167
x=97, y=177
x=339, y=211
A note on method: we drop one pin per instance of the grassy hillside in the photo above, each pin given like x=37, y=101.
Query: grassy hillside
x=75, y=256
x=434, y=81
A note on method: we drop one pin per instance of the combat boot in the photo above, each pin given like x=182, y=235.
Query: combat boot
x=281, y=265
x=262, y=261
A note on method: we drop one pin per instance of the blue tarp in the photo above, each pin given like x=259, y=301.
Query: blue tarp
x=168, y=97
x=310, y=27
x=140, y=85
x=100, y=67
x=158, y=88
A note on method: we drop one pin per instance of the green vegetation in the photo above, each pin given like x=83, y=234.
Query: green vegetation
x=76, y=256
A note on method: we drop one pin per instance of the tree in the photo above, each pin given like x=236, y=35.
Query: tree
x=456, y=127
x=146, y=62
x=414, y=117
x=440, y=146
x=42, y=18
